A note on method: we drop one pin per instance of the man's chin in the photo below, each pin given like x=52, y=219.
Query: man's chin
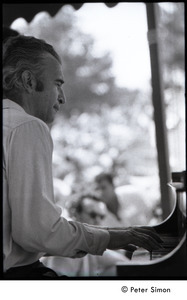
x=50, y=120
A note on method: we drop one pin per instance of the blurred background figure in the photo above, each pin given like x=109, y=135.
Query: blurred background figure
x=125, y=203
x=89, y=209
x=86, y=208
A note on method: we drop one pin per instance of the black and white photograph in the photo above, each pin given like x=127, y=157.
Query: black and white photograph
x=94, y=149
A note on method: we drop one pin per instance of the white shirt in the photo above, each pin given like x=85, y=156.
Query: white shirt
x=32, y=222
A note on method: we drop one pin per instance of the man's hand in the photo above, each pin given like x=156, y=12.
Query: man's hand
x=144, y=237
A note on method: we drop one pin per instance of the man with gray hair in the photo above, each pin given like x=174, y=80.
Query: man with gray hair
x=32, y=223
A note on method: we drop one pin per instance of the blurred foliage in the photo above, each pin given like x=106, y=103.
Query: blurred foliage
x=102, y=126
x=91, y=142
x=171, y=34
x=172, y=53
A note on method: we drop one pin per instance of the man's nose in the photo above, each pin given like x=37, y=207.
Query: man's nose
x=62, y=97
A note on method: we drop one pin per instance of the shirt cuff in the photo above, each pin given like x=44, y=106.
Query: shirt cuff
x=100, y=239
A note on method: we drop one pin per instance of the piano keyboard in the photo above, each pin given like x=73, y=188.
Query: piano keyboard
x=169, y=243
x=170, y=261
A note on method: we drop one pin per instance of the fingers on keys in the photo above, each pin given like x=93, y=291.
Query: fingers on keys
x=146, y=240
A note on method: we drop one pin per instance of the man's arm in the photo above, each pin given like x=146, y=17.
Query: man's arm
x=137, y=236
x=132, y=237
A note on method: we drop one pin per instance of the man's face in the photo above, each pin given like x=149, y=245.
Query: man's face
x=105, y=190
x=47, y=102
x=93, y=212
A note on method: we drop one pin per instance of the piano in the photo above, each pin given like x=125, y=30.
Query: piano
x=170, y=262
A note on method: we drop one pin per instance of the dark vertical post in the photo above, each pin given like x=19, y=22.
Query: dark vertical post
x=159, y=109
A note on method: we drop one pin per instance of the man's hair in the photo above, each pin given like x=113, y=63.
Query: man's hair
x=104, y=176
x=22, y=53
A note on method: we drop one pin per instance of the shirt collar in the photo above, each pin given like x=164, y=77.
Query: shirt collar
x=7, y=103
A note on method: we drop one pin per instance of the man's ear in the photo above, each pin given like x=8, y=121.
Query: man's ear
x=28, y=80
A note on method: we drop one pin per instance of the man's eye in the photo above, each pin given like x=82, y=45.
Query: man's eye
x=59, y=83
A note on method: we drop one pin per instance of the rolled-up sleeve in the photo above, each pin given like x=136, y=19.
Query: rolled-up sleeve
x=37, y=224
